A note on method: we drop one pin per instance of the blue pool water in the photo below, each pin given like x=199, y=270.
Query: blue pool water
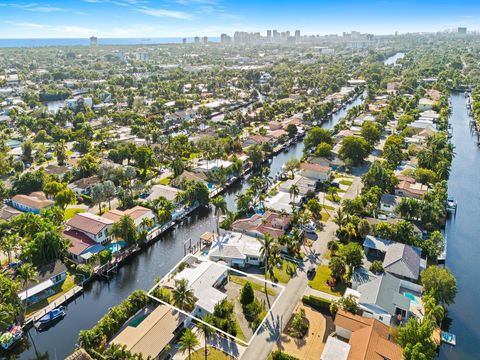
x=113, y=247
x=411, y=297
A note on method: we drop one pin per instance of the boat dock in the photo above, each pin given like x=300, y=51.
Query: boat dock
x=64, y=299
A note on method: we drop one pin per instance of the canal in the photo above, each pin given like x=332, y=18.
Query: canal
x=462, y=230
x=140, y=271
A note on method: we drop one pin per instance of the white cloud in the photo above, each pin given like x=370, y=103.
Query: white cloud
x=165, y=13
x=34, y=7
x=55, y=29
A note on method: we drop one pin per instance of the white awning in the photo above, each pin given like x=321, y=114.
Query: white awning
x=36, y=289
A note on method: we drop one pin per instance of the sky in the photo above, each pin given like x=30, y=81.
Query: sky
x=188, y=18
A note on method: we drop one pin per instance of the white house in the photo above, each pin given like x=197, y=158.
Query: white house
x=236, y=250
x=34, y=203
x=425, y=104
x=389, y=202
x=137, y=213
x=94, y=226
x=315, y=171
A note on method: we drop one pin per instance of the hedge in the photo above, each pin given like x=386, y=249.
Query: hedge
x=278, y=355
x=317, y=303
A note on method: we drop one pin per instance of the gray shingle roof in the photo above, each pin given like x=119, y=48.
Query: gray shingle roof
x=402, y=260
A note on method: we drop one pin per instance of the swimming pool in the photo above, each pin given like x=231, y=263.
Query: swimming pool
x=113, y=247
x=412, y=297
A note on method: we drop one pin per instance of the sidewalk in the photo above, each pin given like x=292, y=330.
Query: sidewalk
x=309, y=291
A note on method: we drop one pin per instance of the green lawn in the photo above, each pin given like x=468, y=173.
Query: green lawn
x=213, y=354
x=322, y=275
x=61, y=289
x=325, y=216
x=71, y=212
x=328, y=207
x=241, y=281
x=346, y=182
x=332, y=199
x=284, y=273
x=165, y=181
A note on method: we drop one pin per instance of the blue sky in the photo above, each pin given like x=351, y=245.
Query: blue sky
x=187, y=18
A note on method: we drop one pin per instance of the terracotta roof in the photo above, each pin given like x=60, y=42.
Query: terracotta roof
x=373, y=343
x=7, y=212
x=268, y=223
x=315, y=167
x=135, y=213
x=79, y=242
x=36, y=200
x=85, y=182
x=351, y=322
x=90, y=223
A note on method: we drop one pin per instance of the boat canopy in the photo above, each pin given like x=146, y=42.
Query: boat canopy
x=36, y=289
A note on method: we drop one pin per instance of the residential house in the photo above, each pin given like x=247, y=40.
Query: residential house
x=303, y=183
x=137, y=213
x=401, y=260
x=81, y=247
x=204, y=279
x=83, y=186
x=335, y=349
x=254, y=140
x=315, y=172
x=34, y=203
x=153, y=334
x=236, y=250
x=95, y=227
x=7, y=213
x=168, y=192
x=282, y=202
x=49, y=275
x=369, y=339
x=408, y=187
x=425, y=104
x=335, y=163
x=388, y=203
x=385, y=297
x=258, y=225
x=212, y=165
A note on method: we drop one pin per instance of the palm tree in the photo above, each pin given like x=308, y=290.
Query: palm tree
x=26, y=273
x=433, y=310
x=294, y=191
x=183, y=297
x=220, y=208
x=266, y=251
x=8, y=244
x=188, y=342
x=147, y=223
x=125, y=229
x=206, y=330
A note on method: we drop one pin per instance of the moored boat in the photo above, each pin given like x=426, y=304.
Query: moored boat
x=50, y=318
x=11, y=336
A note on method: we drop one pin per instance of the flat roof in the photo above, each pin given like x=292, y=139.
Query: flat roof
x=335, y=349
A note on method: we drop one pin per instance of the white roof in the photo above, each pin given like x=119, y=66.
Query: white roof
x=208, y=165
x=244, y=244
x=335, y=349
x=281, y=201
x=36, y=289
x=201, y=279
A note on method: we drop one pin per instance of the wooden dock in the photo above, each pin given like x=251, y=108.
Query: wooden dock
x=65, y=298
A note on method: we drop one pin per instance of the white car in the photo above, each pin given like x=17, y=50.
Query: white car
x=309, y=228
x=382, y=217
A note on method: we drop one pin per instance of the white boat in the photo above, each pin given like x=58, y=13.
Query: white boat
x=451, y=204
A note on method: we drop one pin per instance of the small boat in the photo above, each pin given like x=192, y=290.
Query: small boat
x=451, y=204
x=51, y=317
x=449, y=132
x=11, y=336
x=449, y=338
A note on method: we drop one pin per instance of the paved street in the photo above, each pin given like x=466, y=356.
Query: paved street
x=263, y=343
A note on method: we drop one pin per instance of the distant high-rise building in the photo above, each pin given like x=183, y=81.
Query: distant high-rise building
x=225, y=39
x=297, y=35
x=269, y=34
x=462, y=30
x=205, y=39
x=93, y=41
x=184, y=40
x=275, y=34
x=196, y=40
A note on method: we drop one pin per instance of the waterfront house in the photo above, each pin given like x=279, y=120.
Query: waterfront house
x=83, y=186
x=258, y=225
x=254, y=140
x=425, y=104
x=315, y=172
x=152, y=335
x=369, y=339
x=49, y=276
x=137, y=213
x=385, y=297
x=403, y=261
x=303, y=183
x=236, y=250
x=81, y=247
x=408, y=187
x=282, y=202
x=34, y=202
x=204, y=279
x=335, y=349
x=334, y=163
x=168, y=192
x=95, y=227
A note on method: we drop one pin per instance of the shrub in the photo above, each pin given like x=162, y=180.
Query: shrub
x=376, y=267
x=317, y=303
x=299, y=326
x=278, y=355
x=247, y=296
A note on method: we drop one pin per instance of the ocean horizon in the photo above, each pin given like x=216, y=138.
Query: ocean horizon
x=6, y=43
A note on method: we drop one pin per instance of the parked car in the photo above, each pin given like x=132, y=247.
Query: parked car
x=311, y=273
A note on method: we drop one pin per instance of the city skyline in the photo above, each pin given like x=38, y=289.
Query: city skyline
x=189, y=18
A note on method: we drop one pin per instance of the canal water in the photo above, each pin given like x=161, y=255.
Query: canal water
x=392, y=60
x=462, y=230
x=140, y=271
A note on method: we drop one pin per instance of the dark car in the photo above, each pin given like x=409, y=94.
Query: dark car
x=311, y=273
